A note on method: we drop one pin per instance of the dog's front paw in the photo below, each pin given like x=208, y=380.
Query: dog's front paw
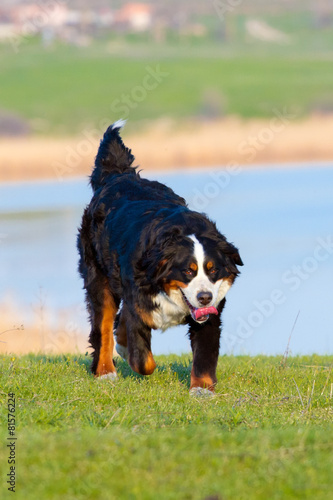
x=200, y=392
x=108, y=376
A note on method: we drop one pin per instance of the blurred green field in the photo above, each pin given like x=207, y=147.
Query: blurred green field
x=267, y=434
x=62, y=90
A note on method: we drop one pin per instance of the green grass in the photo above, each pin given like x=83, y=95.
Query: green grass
x=66, y=89
x=267, y=433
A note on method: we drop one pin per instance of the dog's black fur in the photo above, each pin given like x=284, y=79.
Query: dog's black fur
x=134, y=244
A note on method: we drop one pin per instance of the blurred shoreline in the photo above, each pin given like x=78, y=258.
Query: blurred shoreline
x=167, y=145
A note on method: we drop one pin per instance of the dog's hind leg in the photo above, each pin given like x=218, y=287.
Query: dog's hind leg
x=102, y=303
x=103, y=310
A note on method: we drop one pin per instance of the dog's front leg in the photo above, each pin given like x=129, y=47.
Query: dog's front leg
x=205, y=343
x=140, y=357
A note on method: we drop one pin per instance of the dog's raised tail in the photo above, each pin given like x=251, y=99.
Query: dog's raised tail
x=113, y=156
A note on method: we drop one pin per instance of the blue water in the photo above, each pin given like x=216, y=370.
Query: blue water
x=280, y=219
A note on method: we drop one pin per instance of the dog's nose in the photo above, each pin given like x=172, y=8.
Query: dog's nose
x=204, y=298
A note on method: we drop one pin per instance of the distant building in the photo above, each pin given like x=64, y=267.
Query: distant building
x=40, y=15
x=136, y=16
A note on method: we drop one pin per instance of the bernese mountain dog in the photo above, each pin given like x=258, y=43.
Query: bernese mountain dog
x=149, y=262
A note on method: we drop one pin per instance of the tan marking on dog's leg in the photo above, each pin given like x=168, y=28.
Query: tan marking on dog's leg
x=205, y=381
x=150, y=364
x=148, y=367
x=105, y=363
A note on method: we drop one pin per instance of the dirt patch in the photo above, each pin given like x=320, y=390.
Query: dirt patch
x=15, y=339
x=21, y=333
x=165, y=145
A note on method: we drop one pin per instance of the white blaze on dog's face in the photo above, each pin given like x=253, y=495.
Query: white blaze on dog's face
x=206, y=288
x=202, y=291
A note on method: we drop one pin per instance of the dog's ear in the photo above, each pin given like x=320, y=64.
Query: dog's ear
x=158, y=253
x=162, y=267
x=236, y=257
x=232, y=255
x=167, y=251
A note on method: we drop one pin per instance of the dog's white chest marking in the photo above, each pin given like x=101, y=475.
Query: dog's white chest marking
x=171, y=310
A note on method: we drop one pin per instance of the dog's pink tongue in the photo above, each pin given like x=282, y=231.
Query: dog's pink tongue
x=205, y=311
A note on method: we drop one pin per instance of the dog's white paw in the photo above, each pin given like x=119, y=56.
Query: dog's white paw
x=200, y=392
x=122, y=351
x=109, y=376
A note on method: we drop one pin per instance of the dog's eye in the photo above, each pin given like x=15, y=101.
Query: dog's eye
x=189, y=272
x=213, y=271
